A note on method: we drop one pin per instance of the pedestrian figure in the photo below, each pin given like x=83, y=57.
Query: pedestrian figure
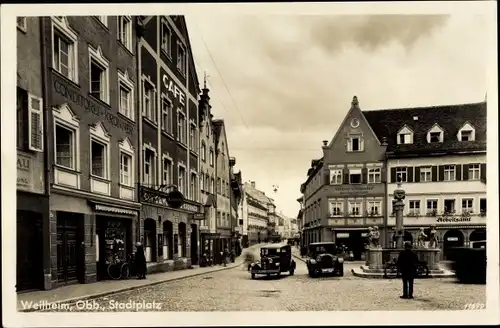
x=225, y=256
x=407, y=264
x=140, y=261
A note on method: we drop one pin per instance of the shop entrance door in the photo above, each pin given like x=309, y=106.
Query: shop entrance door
x=29, y=251
x=194, y=244
x=69, y=251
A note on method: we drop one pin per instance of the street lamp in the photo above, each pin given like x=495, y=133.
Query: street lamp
x=275, y=188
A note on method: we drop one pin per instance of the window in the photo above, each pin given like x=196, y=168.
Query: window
x=435, y=137
x=192, y=137
x=404, y=138
x=166, y=115
x=449, y=206
x=425, y=174
x=482, y=206
x=181, y=58
x=65, y=147
x=219, y=185
x=21, y=23
x=149, y=164
x=474, y=172
x=181, y=127
x=126, y=89
x=354, y=208
x=35, y=123
x=125, y=31
x=211, y=157
x=374, y=175
x=212, y=185
x=192, y=188
x=449, y=173
x=149, y=101
x=98, y=159
x=125, y=169
x=466, y=135
x=414, y=207
x=203, y=151
x=167, y=171
x=401, y=172
x=166, y=38
x=374, y=208
x=207, y=183
x=335, y=177
x=336, y=208
x=99, y=75
x=202, y=181
x=103, y=20
x=355, y=143
x=432, y=205
x=208, y=130
x=354, y=176
x=65, y=44
x=467, y=206
x=182, y=180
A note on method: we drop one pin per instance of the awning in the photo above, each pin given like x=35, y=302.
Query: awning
x=354, y=171
x=114, y=209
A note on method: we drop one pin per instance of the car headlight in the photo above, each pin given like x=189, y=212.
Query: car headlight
x=334, y=258
x=277, y=263
x=270, y=260
x=252, y=264
x=341, y=260
x=313, y=261
x=318, y=258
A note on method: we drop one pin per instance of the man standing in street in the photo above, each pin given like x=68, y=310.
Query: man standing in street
x=407, y=264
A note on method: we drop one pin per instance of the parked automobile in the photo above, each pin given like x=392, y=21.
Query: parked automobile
x=274, y=259
x=325, y=258
x=469, y=263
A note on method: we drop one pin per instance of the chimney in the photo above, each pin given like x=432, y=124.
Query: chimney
x=354, y=102
x=325, y=143
x=252, y=183
x=384, y=141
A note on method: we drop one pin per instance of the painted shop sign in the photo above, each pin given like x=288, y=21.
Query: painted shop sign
x=174, y=90
x=91, y=106
x=23, y=171
x=454, y=219
x=354, y=189
x=190, y=207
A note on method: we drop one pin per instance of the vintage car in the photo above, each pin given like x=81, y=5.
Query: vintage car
x=274, y=259
x=325, y=258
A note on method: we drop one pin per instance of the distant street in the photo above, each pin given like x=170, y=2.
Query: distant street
x=233, y=290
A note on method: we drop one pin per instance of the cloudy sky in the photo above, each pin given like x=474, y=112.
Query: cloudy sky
x=290, y=80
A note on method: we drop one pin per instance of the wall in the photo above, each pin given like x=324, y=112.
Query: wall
x=222, y=168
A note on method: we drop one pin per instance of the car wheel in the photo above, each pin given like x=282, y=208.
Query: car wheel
x=279, y=273
x=311, y=273
x=253, y=275
x=341, y=271
x=268, y=274
x=292, y=272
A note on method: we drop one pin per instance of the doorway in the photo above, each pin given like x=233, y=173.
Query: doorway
x=452, y=238
x=29, y=251
x=70, y=256
x=150, y=240
x=194, y=244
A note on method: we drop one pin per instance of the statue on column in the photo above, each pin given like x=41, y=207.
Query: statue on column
x=433, y=241
x=368, y=240
x=421, y=238
x=374, y=237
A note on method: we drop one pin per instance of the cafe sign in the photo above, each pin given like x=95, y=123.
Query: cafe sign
x=173, y=89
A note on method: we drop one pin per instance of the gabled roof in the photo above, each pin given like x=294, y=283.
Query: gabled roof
x=256, y=194
x=386, y=123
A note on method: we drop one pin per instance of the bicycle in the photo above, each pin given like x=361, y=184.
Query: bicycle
x=391, y=269
x=422, y=269
x=118, y=269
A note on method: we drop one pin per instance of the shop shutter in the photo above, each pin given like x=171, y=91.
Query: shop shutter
x=417, y=174
x=393, y=175
x=458, y=172
x=465, y=172
x=441, y=173
x=364, y=177
x=409, y=170
x=434, y=174
x=483, y=172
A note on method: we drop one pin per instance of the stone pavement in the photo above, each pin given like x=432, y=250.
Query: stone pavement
x=73, y=293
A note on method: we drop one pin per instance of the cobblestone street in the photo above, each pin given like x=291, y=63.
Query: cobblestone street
x=233, y=290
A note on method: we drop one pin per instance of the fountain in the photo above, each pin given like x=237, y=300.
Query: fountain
x=377, y=256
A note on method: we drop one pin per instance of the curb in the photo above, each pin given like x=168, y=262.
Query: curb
x=72, y=301
x=381, y=276
x=298, y=257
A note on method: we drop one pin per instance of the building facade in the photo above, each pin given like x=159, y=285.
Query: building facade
x=255, y=209
x=90, y=80
x=33, y=225
x=440, y=154
x=169, y=143
x=235, y=194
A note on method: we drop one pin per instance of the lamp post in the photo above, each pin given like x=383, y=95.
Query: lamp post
x=398, y=205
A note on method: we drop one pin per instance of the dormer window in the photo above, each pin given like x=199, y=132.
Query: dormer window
x=435, y=134
x=355, y=143
x=466, y=133
x=405, y=136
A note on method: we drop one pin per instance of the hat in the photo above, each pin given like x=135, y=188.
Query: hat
x=407, y=245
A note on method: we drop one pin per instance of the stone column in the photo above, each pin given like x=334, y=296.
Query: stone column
x=398, y=204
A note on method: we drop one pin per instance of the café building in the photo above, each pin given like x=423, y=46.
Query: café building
x=90, y=85
x=168, y=144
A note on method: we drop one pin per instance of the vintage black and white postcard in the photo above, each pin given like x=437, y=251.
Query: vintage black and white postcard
x=312, y=163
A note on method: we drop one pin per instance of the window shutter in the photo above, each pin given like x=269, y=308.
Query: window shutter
x=364, y=177
x=409, y=173
x=346, y=177
x=441, y=173
x=35, y=124
x=465, y=172
x=483, y=172
x=393, y=174
x=434, y=173
x=458, y=172
x=417, y=174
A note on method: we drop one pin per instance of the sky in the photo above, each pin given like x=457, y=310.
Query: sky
x=284, y=83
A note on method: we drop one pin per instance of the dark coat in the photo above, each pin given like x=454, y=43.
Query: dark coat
x=407, y=263
x=140, y=259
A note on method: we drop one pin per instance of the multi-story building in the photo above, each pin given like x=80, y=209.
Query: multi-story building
x=254, y=210
x=345, y=190
x=440, y=154
x=33, y=228
x=235, y=194
x=300, y=220
x=273, y=218
x=208, y=227
x=90, y=80
x=169, y=143
x=223, y=191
